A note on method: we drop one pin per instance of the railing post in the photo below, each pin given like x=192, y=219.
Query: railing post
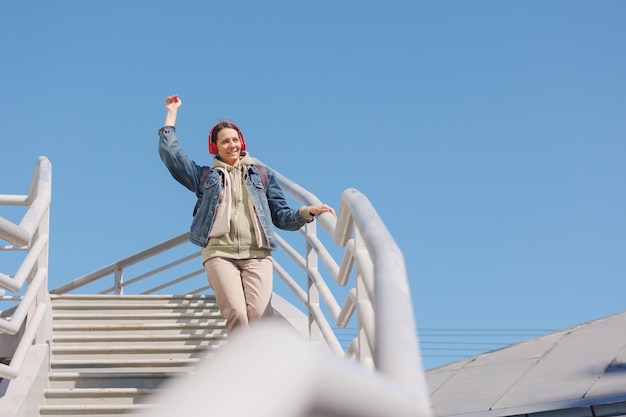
x=44, y=333
x=313, y=294
x=118, y=278
x=363, y=299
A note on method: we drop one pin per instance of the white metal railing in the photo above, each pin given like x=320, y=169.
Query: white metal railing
x=386, y=340
x=24, y=322
x=280, y=375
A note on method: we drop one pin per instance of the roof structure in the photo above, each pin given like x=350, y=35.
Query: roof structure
x=575, y=372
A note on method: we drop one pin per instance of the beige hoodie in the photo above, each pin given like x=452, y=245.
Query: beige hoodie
x=238, y=239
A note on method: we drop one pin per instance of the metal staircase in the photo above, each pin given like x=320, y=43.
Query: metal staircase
x=114, y=341
x=109, y=352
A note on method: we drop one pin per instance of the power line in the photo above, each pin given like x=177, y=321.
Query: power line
x=466, y=342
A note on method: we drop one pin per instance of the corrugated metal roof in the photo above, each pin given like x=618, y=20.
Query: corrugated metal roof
x=578, y=371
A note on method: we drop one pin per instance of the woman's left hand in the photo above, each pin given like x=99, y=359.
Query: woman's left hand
x=322, y=208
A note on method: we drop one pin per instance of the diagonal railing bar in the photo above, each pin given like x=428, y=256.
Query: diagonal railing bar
x=174, y=282
x=325, y=293
x=305, y=197
x=346, y=312
x=327, y=332
x=120, y=265
x=347, y=263
x=321, y=286
x=295, y=256
x=323, y=254
x=366, y=272
x=366, y=269
x=24, y=271
x=21, y=311
x=165, y=267
x=368, y=318
x=290, y=282
x=13, y=233
x=199, y=290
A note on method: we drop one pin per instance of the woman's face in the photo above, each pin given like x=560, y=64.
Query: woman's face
x=228, y=145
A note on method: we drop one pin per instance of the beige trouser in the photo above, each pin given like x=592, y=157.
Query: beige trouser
x=243, y=288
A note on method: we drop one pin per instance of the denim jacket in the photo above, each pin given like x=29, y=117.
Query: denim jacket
x=269, y=204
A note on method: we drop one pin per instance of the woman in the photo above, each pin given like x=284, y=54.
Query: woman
x=238, y=202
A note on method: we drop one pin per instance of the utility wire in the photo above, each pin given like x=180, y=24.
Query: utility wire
x=458, y=343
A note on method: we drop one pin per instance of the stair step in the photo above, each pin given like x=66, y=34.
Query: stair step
x=133, y=328
x=176, y=365
x=100, y=396
x=106, y=363
x=134, y=349
x=139, y=308
x=113, y=303
x=144, y=352
x=103, y=379
x=135, y=317
x=214, y=336
x=140, y=302
x=91, y=410
x=143, y=298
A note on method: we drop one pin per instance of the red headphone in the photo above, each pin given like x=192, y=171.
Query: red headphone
x=213, y=144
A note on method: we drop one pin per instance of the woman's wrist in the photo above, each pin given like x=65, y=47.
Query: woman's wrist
x=170, y=117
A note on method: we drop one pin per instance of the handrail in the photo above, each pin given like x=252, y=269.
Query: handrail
x=121, y=265
x=395, y=327
x=304, y=197
x=386, y=338
x=311, y=382
x=24, y=322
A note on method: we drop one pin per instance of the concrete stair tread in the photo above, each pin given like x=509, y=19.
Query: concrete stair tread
x=104, y=378
x=99, y=363
x=137, y=326
x=136, y=304
x=134, y=316
x=130, y=297
x=92, y=408
x=131, y=349
x=57, y=376
x=88, y=392
x=139, y=338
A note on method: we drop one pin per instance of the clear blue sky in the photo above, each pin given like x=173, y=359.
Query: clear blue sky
x=489, y=135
